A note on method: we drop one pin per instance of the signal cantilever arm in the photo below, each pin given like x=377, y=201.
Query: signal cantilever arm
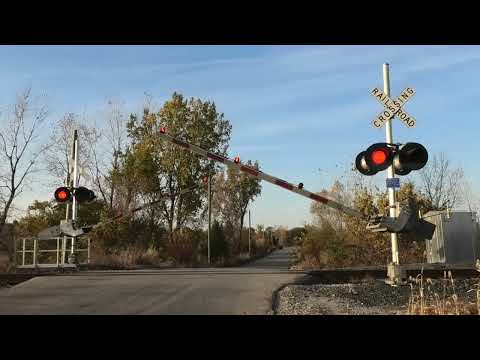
x=261, y=175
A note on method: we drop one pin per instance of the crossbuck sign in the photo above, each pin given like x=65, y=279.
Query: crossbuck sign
x=393, y=108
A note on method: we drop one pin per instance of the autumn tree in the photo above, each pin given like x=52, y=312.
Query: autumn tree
x=235, y=191
x=20, y=148
x=175, y=169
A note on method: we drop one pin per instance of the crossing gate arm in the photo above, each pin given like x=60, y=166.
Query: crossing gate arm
x=250, y=171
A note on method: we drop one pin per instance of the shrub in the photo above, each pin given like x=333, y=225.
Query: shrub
x=184, y=247
x=126, y=257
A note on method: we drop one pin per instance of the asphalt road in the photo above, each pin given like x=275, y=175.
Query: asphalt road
x=243, y=290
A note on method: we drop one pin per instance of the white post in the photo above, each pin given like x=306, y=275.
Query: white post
x=209, y=214
x=249, y=235
x=88, y=251
x=75, y=184
x=15, y=251
x=23, y=251
x=64, y=249
x=58, y=251
x=390, y=172
x=67, y=213
x=35, y=252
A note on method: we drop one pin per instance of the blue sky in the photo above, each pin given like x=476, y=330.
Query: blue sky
x=296, y=109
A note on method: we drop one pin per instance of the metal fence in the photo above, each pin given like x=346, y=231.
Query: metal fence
x=32, y=255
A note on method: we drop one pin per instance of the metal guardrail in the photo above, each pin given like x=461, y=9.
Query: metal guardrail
x=60, y=250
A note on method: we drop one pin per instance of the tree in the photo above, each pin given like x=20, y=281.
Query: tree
x=294, y=235
x=441, y=184
x=107, y=149
x=58, y=155
x=218, y=244
x=175, y=169
x=472, y=200
x=19, y=149
x=325, y=214
x=236, y=191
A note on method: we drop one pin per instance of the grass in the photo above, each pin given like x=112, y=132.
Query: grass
x=126, y=258
x=425, y=299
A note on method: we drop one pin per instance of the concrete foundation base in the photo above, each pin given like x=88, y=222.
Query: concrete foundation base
x=396, y=275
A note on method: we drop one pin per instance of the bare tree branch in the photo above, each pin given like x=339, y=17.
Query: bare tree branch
x=18, y=151
x=441, y=184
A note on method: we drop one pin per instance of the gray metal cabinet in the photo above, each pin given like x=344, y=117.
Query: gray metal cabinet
x=456, y=239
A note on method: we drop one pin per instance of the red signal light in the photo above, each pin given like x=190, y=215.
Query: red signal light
x=62, y=194
x=379, y=156
x=236, y=160
x=163, y=130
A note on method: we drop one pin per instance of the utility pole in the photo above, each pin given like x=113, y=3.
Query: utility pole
x=249, y=236
x=390, y=171
x=209, y=213
x=71, y=258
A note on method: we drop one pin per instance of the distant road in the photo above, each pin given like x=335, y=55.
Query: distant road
x=242, y=290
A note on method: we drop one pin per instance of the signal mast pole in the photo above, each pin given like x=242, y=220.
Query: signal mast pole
x=209, y=213
x=390, y=172
x=71, y=258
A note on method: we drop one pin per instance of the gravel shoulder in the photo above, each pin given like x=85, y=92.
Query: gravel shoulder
x=364, y=298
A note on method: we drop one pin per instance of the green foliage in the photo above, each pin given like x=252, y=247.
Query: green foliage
x=154, y=167
x=184, y=246
x=234, y=191
x=338, y=240
x=219, y=247
x=43, y=214
x=294, y=235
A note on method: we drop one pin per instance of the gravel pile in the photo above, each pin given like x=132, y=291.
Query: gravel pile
x=364, y=298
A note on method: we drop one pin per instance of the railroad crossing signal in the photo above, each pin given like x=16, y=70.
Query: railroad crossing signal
x=82, y=194
x=404, y=158
x=393, y=108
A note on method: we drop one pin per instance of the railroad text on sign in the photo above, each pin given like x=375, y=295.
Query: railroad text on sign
x=393, y=107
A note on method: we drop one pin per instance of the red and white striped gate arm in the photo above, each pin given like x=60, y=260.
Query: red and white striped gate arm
x=261, y=175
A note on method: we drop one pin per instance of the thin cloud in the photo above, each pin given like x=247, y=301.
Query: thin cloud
x=339, y=116
x=446, y=60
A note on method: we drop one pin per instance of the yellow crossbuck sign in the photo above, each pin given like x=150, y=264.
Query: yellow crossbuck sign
x=393, y=108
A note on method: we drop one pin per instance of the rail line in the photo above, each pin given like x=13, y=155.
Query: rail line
x=324, y=276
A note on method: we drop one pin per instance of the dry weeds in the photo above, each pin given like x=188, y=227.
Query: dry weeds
x=424, y=300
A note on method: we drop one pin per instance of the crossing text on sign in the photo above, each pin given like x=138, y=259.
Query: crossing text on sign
x=393, y=107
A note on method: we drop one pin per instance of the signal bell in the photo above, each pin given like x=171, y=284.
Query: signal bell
x=82, y=194
x=379, y=156
x=411, y=156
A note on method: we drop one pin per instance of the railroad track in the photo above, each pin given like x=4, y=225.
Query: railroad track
x=324, y=276
x=334, y=276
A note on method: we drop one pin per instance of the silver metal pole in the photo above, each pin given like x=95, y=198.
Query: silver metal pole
x=14, y=250
x=64, y=249
x=67, y=212
x=23, y=251
x=390, y=172
x=75, y=185
x=58, y=251
x=35, y=252
x=88, y=251
x=249, y=235
x=209, y=213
